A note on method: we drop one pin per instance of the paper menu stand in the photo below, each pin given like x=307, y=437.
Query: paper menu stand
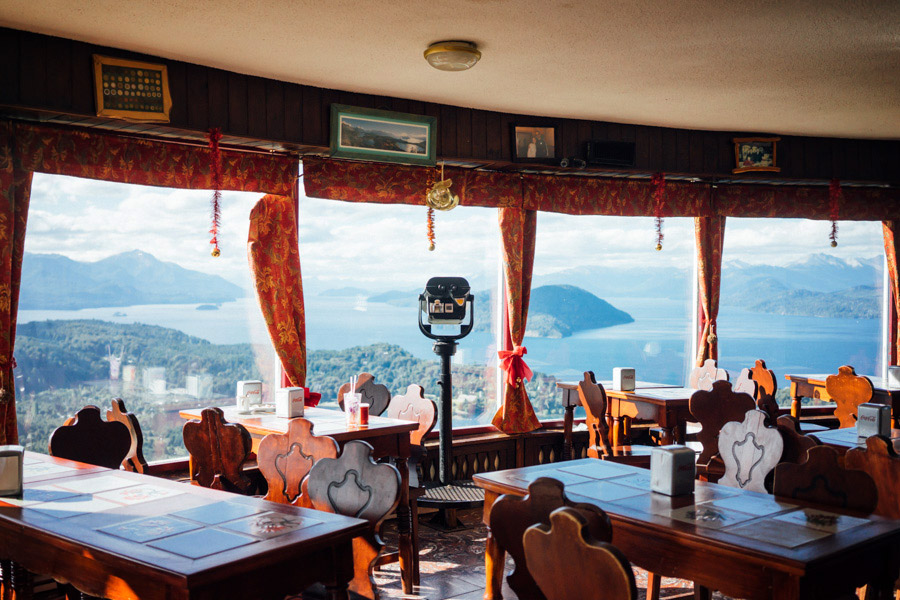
x=672, y=470
x=289, y=402
x=873, y=419
x=11, y=470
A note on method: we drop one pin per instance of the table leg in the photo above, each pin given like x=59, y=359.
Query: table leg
x=567, y=433
x=404, y=527
x=795, y=400
x=494, y=566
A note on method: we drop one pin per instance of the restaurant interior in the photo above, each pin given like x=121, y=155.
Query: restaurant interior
x=449, y=300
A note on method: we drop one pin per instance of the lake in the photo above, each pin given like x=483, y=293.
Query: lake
x=656, y=344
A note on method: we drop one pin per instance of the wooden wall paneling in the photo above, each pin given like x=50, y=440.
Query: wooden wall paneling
x=683, y=151
x=311, y=119
x=178, y=90
x=810, y=156
x=784, y=158
x=710, y=143
x=695, y=152
x=464, y=132
x=656, y=150
x=795, y=148
x=274, y=110
x=479, y=137
x=494, y=135
x=434, y=110
x=217, y=89
x=614, y=132
x=726, y=154
x=82, y=70
x=893, y=169
x=669, y=149
x=237, y=104
x=447, y=132
x=641, y=147
x=256, y=107
x=506, y=130
x=197, y=97
x=9, y=66
x=33, y=70
x=851, y=159
x=293, y=112
x=399, y=104
x=567, y=130
x=59, y=72
x=585, y=134
x=865, y=160
x=824, y=159
x=329, y=97
x=881, y=160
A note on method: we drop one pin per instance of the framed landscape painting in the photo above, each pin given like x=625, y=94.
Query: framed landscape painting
x=381, y=135
x=755, y=154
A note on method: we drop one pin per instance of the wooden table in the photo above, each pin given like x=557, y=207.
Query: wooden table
x=845, y=438
x=742, y=543
x=663, y=403
x=813, y=386
x=122, y=535
x=389, y=437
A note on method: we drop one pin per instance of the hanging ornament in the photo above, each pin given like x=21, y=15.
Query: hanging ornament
x=214, y=136
x=439, y=197
x=658, y=181
x=834, y=209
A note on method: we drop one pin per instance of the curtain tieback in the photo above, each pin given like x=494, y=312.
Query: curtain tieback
x=512, y=362
x=311, y=398
x=712, y=338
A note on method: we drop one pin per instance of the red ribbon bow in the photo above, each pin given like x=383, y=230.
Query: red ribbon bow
x=311, y=398
x=512, y=362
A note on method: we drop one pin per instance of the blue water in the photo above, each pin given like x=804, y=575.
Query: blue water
x=657, y=344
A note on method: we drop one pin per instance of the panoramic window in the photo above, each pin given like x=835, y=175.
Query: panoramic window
x=792, y=300
x=121, y=298
x=603, y=297
x=364, y=266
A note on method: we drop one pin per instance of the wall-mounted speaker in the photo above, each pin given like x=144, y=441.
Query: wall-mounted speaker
x=610, y=154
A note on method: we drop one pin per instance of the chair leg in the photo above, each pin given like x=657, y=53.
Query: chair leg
x=702, y=593
x=414, y=510
x=654, y=581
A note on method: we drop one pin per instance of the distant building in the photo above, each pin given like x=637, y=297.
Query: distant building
x=154, y=379
x=200, y=386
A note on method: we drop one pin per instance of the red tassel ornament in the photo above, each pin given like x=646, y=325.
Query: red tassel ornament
x=658, y=181
x=834, y=197
x=214, y=136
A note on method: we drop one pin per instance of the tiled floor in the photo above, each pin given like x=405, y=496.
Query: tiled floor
x=452, y=565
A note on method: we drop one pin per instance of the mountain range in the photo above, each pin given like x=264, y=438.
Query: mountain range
x=55, y=282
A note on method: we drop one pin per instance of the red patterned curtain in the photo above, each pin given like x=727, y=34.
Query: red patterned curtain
x=710, y=235
x=891, y=243
x=517, y=230
x=275, y=265
x=15, y=193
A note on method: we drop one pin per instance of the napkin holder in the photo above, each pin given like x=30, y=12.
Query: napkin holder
x=672, y=470
x=289, y=402
x=893, y=377
x=11, y=470
x=623, y=379
x=248, y=393
x=873, y=419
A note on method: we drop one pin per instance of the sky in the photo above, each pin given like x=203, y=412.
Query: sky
x=384, y=247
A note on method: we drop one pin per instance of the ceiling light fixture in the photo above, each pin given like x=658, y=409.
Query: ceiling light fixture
x=452, y=55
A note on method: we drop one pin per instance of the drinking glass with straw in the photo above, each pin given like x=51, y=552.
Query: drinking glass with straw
x=351, y=402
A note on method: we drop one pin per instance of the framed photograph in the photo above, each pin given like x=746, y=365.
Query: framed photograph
x=535, y=144
x=127, y=89
x=382, y=135
x=755, y=154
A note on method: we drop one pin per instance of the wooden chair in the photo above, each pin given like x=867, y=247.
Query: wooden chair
x=377, y=396
x=882, y=463
x=355, y=485
x=414, y=406
x=823, y=481
x=593, y=399
x=566, y=560
x=134, y=461
x=90, y=439
x=712, y=409
x=750, y=450
x=511, y=515
x=796, y=445
x=285, y=460
x=218, y=450
x=848, y=390
x=702, y=377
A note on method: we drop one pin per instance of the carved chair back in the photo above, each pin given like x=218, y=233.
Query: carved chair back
x=750, y=450
x=511, y=515
x=702, y=377
x=414, y=406
x=848, y=390
x=712, y=409
x=374, y=394
x=354, y=485
x=765, y=379
x=822, y=480
x=134, y=460
x=218, y=451
x=745, y=384
x=89, y=439
x=566, y=560
x=593, y=399
x=286, y=459
x=880, y=460
x=796, y=445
